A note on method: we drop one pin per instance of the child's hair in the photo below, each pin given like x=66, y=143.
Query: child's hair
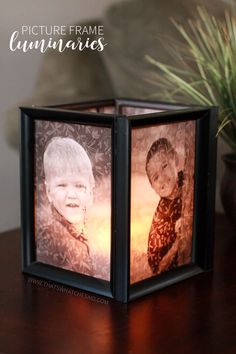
x=62, y=154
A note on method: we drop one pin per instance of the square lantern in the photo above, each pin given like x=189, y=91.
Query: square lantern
x=117, y=196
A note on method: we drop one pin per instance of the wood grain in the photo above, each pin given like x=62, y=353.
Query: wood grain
x=195, y=316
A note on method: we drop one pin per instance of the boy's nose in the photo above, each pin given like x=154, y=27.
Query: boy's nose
x=72, y=193
x=163, y=178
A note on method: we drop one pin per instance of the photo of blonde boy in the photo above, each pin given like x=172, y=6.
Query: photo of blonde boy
x=73, y=202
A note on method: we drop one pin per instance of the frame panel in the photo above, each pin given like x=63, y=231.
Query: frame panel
x=204, y=191
x=29, y=264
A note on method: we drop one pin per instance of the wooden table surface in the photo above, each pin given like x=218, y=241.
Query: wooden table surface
x=197, y=315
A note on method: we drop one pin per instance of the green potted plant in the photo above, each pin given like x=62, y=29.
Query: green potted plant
x=205, y=74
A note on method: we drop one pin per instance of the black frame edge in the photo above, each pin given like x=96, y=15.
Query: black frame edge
x=211, y=186
x=27, y=185
x=122, y=211
x=151, y=284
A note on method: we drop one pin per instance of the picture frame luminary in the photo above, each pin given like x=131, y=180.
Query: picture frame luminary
x=117, y=196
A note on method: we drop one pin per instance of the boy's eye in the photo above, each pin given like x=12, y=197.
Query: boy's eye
x=62, y=185
x=80, y=186
x=164, y=166
x=155, y=177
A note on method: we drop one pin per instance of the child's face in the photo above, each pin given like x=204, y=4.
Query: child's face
x=163, y=173
x=70, y=194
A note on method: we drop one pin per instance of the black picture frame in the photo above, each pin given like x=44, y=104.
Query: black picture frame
x=121, y=126
x=29, y=264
